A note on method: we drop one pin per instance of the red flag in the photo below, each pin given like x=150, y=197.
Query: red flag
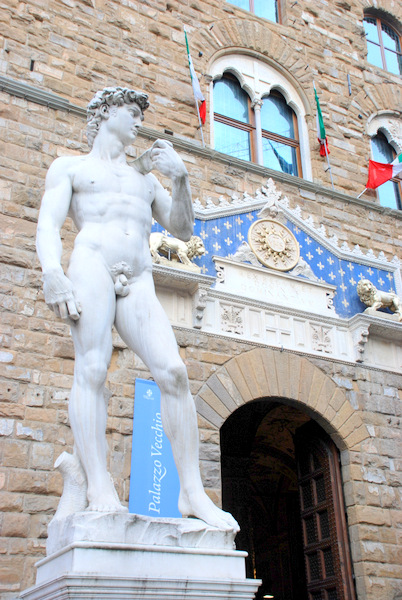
x=378, y=174
x=203, y=111
x=323, y=145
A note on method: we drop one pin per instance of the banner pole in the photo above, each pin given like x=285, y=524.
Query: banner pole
x=321, y=134
x=329, y=165
x=200, y=123
x=191, y=77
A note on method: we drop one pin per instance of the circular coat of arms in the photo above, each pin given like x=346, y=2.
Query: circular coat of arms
x=274, y=245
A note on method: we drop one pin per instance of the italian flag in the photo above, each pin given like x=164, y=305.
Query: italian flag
x=379, y=173
x=199, y=98
x=321, y=135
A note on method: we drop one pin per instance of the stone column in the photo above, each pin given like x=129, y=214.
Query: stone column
x=256, y=106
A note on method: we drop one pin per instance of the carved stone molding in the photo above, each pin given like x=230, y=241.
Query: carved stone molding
x=275, y=320
x=243, y=254
x=360, y=336
x=199, y=304
x=232, y=319
x=390, y=123
x=303, y=268
x=330, y=300
x=257, y=102
x=322, y=338
x=220, y=273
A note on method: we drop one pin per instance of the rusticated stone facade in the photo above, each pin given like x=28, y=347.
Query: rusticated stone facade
x=53, y=57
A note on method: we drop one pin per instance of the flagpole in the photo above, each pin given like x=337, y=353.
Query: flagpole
x=361, y=193
x=329, y=165
x=196, y=102
x=325, y=139
x=200, y=124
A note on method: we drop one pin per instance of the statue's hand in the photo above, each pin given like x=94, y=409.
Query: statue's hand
x=59, y=295
x=166, y=160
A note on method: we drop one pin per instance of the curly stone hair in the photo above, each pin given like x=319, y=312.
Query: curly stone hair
x=100, y=104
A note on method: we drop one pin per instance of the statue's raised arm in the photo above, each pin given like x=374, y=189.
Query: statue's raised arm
x=175, y=213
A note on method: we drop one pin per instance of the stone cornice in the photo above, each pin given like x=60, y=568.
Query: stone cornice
x=39, y=96
x=379, y=326
x=183, y=279
x=275, y=308
x=56, y=102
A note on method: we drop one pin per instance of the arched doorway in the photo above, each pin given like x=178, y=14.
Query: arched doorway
x=281, y=481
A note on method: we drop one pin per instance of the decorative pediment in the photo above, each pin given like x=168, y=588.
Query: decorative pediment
x=310, y=305
x=224, y=224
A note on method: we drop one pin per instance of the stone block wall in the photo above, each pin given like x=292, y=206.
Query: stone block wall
x=74, y=47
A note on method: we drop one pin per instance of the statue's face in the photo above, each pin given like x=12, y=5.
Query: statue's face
x=124, y=122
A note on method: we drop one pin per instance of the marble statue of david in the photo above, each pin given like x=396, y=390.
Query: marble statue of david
x=109, y=281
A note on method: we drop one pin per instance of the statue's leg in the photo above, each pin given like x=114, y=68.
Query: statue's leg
x=183, y=257
x=92, y=337
x=143, y=324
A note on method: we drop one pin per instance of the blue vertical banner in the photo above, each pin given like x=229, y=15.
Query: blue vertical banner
x=154, y=481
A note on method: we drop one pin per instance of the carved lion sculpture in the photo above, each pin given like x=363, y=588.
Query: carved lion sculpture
x=376, y=299
x=185, y=251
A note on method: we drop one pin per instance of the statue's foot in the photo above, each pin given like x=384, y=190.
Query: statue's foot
x=103, y=505
x=200, y=506
x=104, y=498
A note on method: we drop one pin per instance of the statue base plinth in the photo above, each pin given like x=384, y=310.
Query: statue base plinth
x=118, y=555
x=381, y=314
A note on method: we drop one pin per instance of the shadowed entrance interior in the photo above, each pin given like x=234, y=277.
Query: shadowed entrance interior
x=281, y=481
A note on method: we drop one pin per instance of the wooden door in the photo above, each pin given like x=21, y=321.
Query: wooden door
x=325, y=539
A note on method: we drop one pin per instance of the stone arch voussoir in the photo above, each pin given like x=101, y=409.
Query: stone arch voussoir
x=262, y=373
x=385, y=9
x=235, y=35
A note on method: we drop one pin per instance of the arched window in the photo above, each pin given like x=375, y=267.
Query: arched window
x=232, y=127
x=259, y=114
x=269, y=9
x=236, y=133
x=383, y=45
x=389, y=193
x=279, y=135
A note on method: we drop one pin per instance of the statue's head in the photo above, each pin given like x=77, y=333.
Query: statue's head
x=103, y=102
x=366, y=291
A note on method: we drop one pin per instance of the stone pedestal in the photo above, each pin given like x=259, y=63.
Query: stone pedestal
x=116, y=556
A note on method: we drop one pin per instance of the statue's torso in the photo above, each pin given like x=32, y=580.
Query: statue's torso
x=112, y=208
